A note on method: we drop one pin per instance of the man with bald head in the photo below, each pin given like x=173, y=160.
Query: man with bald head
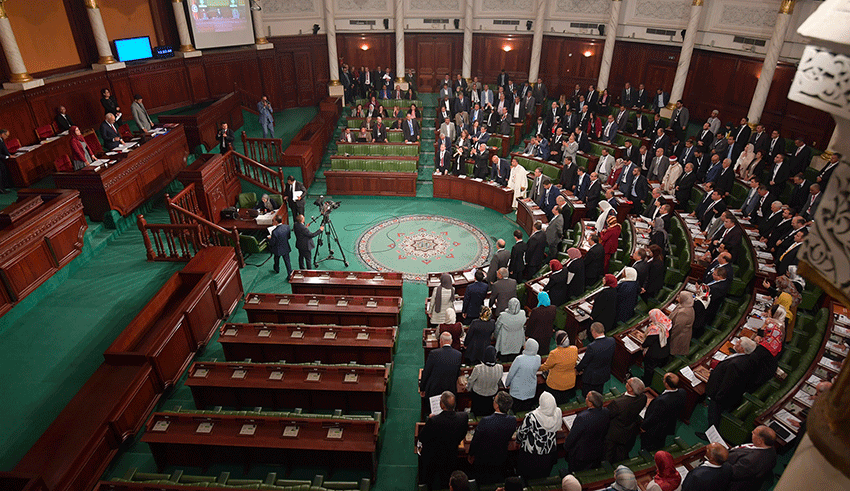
x=441, y=369
x=502, y=291
x=440, y=436
x=730, y=379
x=713, y=474
x=109, y=133
x=753, y=463
x=661, y=415
x=500, y=260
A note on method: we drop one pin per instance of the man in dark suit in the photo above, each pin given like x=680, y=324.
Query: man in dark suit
x=628, y=97
x=554, y=233
x=501, y=292
x=661, y=141
x=594, y=261
x=441, y=369
x=660, y=100
x=499, y=170
x=802, y=156
x=789, y=257
x=775, y=146
x=610, y=130
x=704, y=138
x=295, y=195
x=826, y=172
x=111, y=137
x=624, y=412
x=638, y=190
x=481, y=169
x=592, y=98
x=569, y=175
x=774, y=237
x=684, y=185
x=661, y=415
x=760, y=140
x=63, y=121
x=642, y=126
x=550, y=194
x=582, y=183
x=304, y=242
x=516, y=266
x=593, y=195
x=411, y=129
x=536, y=191
x=595, y=366
x=584, y=444
x=500, y=260
x=630, y=152
x=741, y=134
x=713, y=210
x=726, y=178
x=712, y=475
x=752, y=464
x=443, y=159
x=722, y=262
x=642, y=96
x=800, y=193
x=488, y=450
x=279, y=246
x=440, y=437
x=771, y=219
x=379, y=132
x=624, y=182
x=730, y=379
x=778, y=174
x=812, y=202
x=536, y=250
x=225, y=138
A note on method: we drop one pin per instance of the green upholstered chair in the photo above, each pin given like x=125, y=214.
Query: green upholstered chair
x=246, y=200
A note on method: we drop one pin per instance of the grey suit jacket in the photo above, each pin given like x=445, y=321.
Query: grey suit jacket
x=500, y=293
x=555, y=230
x=140, y=116
x=500, y=260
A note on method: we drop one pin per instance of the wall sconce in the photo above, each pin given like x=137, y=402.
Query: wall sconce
x=588, y=54
x=507, y=48
x=364, y=47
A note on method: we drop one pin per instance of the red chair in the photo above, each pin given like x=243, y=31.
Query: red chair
x=93, y=142
x=124, y=131
x=63, y=164
x=13, y=144
x=45, y=131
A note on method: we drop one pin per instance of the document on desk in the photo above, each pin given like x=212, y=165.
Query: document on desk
x=434, y=402
x=689, y=374
x=569, y=420
x=631, y=346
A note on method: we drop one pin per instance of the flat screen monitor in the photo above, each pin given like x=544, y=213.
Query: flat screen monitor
x=133, y=48
x=219, y=23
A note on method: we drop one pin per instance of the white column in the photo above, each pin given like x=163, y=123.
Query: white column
x=20, y=78
x=774, y=49
x=399, y=42
x=335, y=88
x=105, y=61
x=685, y=55
x=260, y=41
x=608, y=51
x=186, y=49
x=537, y=42
x=466, y=71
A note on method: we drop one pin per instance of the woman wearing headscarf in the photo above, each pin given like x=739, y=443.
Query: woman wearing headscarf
x=770, y=341
x=757, y=166
x=655, y=277
x=610, y=238
x=478, y=336
x=605, y=304
x=570, y=483
x=656, y=348
x=682, y=323
x=510, y=331
x=624, y=480
x=442, y=299
x=557, y=287
x=658, y=236
x=627, y=293
x=81, y=155
x=522, y=377
x=483, y=383
x=538, y=449
x=701, y=300
x=453, y=327
x=605, y=210
x=667, y=478
x=576, y=267
x=742, y=166
x=541, y=322
x=561, y=365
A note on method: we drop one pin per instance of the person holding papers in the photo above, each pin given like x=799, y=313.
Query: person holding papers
x=294, y=194
x=440, y=436
x=753, y=463
x=109, y=133
x=266, y=204
x=713, y=474
x=584, y=443
x=81, y=155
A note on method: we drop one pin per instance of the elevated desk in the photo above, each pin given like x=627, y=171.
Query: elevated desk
x=133, y=179
x=323, y=309
x=202, y=120
x=42, y=233
x=278, y=386
x=366, y=283
x=527, y=212
x=225, y=439
x=460, y=279
x=30, y=167
x=371, y=183
x=305, y=344
x=480, y=193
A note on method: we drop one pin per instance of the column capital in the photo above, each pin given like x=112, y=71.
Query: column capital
x=176, y=1
x=91, y=4
x=787, y=7
x=3, y=9
x=697, y=3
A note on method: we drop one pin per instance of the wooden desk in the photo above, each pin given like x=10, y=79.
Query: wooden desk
x=363, y=345
x=33, y=166
x=371, y=183
x=480, y=193
x=131, y=181
x=245, y=223
x=42, y=233
x=527, y=212
x=279, y=386
x=366, y=283
x=202, y=122
x=307, y=147
x=323, y=309
x=181, y=444
x=460, y=279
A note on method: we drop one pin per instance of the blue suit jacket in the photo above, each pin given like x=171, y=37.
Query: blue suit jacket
x=708, y=478
x=265, y=113
x=596, y=362
x=489, y=445
x=548, y=199
x=279, y=243
x=585, y=442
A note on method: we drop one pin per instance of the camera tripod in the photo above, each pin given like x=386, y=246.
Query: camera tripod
x=330, y=234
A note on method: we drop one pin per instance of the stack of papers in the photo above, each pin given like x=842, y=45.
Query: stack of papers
x=569, y=420
x=689, y=374
x=631, y=346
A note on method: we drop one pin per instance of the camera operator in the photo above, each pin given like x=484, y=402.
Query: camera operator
x=264, y=109
x=294, y=195
x=304, y=242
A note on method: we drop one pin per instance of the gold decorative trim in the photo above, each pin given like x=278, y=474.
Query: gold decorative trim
x=671, y=105
x=186, y=48
x=3, y=9
x=176, y=1
x=18, y=78
x=91, y=4
x=261, y=40
x=106, y=60
x=697, y=3
x=787, y=7
x=400, y=80
x=334, y=83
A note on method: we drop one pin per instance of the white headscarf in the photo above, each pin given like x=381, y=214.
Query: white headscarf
x=548, y=414
x=629, y=273
x=606, y=207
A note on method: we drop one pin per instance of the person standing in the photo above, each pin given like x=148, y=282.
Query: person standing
x=483, y=383
x=584, y=443
x=225, y=138
x=536, y=438
x=442, y=369
x=488, y=451
x=279, y=246
x=625, y=421
x=109, y=133
x=304, y=242
x=5, y=155
x=140, y=114
x=81, y=155
x=661, y=415
x=516, y=265
x=264, y=110
x=440, y=436
x=595, y=365
x=295, y=193
x=110, y=105
x=561, y=365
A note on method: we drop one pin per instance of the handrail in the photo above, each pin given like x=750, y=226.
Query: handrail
x=246, y=99
x=187, y=199
x=254, y=172
x=266, y=151
x=169, y=241
x=209, y=232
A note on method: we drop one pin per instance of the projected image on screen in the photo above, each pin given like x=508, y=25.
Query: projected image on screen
x=217, y=23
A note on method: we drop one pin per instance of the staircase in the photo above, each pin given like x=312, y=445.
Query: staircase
x=426, y=150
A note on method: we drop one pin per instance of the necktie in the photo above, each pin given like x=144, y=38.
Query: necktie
x=410, y=124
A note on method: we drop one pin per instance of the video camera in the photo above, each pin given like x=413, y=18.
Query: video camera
x=326, y=206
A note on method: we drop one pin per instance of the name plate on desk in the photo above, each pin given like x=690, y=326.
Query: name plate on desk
x=205, y=427
x=314, y=377
x=290, y=431
x=248, y=429
x=161, y=426
x=297, y=276
x=276, y=376
x=297, y=334
x=362, y=336
x=342, y=303
x=254, y=300
x=335, y=433
x=230, y=332
x=351, y=276
x=283, y=301
x=313, y=302
x=350, y=378
x=239, y=374
x=201, y=373
x=371, y=304
x=329, y=335
x=378, y=278
x=264, y=333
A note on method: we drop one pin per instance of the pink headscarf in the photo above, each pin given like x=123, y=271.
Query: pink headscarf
x=555, y=265
x=610, y=280
x=573, y=253
x=659, y=324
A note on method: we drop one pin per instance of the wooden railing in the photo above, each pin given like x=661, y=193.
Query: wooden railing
x=267, y=151
x=170, y=241
x=209, y=234
x=187, y=199
x=249, y=169
x=246, y=99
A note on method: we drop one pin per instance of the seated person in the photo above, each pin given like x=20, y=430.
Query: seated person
x=266, y=204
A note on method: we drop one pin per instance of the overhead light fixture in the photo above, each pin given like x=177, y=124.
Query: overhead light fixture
x=507, y=48
x=588, y=54
x=364, y=47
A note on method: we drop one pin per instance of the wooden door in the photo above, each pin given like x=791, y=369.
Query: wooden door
x=659, y=75
x=435, y=60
